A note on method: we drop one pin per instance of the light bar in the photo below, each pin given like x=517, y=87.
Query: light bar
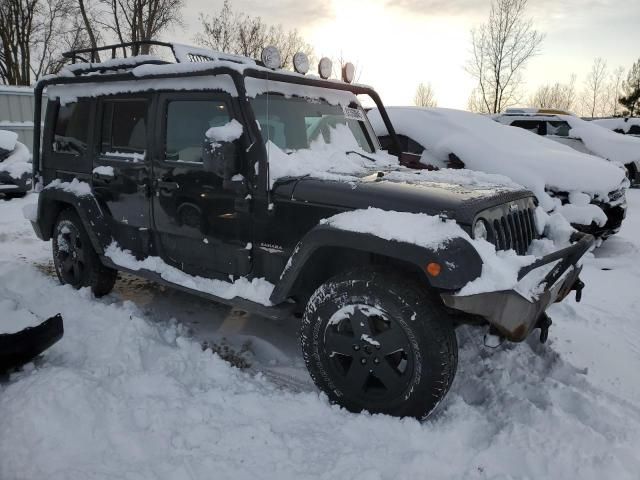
x=348, y=72
x=301, y=63
x=325, y=67
x=271, y=57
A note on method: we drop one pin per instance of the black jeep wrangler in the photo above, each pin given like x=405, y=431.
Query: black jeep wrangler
x=215, y=174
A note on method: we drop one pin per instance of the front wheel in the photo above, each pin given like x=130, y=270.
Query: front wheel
x=378, y=342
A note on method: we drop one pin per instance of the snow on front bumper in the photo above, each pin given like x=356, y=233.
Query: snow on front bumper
x=515, y=316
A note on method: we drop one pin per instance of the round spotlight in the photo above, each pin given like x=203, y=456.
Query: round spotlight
x=301, y=63
x=271, y=57
x=325, y=67
x=348, y=72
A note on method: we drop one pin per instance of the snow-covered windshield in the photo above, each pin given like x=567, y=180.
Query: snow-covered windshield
x=295, y=123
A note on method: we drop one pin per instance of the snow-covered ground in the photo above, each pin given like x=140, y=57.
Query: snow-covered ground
x=129, y=392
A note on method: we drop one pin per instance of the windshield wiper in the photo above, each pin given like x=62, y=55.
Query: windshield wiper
x=362, y=155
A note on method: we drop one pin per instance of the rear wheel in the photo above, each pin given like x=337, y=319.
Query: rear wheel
x=76, y=262
x=377, y=342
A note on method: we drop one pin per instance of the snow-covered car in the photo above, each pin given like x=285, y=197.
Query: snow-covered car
x=15, y=166
x=623, y=125
x=581, y=135
x=588, y=191
x=267, y=190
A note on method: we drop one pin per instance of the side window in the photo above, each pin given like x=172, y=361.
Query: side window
x=71, y=128
x=531, y=125
x=187, y=123
x=560, y=129
x=124, y=128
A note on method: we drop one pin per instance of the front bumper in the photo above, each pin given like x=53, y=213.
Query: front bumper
x=511, y=314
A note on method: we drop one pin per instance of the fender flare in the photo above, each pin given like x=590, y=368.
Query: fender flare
x=86, y=206
x=460, y=262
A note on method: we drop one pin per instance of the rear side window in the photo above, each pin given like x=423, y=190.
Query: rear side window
x=531, y=125
x=187, y=124
x=559, y=129
x=71, y=128
x=124, y=127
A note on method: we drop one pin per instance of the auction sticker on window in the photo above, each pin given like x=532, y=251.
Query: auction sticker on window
x=353, y=114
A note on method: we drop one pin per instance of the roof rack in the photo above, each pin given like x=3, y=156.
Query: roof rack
x=129, y=55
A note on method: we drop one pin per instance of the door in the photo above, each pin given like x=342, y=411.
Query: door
x=121, y=169
x=195, y=218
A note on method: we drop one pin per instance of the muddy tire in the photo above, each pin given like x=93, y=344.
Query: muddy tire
x=76, y=262
x=376, y=341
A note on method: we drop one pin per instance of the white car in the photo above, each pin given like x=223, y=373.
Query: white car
x=624, y=125
x=584, y=136
x=588, y=191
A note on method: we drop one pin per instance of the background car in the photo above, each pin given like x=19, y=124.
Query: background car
x=15, y=166
x=587, y=190
x=579, y=134
x=624, y=125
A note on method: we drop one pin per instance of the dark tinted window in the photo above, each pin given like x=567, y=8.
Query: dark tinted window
x=634, y=130
x=72, y=123
x=187, y=123
x=531, y=125
x=124, y=126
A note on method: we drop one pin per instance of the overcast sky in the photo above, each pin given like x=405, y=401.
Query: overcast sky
x=399, y=43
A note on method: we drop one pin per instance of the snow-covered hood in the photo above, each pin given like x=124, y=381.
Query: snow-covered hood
x=484, y=145
x=604, y=142
x=16, y=165
x=405, y=190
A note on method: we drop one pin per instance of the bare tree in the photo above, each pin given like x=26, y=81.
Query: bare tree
x=32, y=35
x=595, y=89
x=501, y=49
x=138, y=20
x=242, y=34
x=559, y=95
x=425, y=96
x=617, y=79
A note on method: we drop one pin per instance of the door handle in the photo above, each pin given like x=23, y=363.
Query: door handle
x=166, y=187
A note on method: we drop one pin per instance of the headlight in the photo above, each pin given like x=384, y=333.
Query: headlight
x=480, y=230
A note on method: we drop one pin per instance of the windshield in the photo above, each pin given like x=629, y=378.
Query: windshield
x=295, y=123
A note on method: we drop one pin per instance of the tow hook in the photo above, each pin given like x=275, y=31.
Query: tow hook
x=493, y=339
x=543, y=324
x=578, y=286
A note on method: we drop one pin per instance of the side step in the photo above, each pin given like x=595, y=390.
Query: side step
x=282, y=311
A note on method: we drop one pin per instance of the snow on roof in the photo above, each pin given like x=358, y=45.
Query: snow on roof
x=16, y=90
x=71, y=92
x=604, y=142
x=488, y=146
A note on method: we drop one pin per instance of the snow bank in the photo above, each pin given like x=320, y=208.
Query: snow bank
x=17, y=164
x=226, y=133
x=257, y=290
x=604, y=142
x=126, y=393
x=8, y=140
x=75, y=186
x=13, y=318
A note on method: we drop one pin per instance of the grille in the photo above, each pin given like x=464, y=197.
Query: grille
x=514, y=230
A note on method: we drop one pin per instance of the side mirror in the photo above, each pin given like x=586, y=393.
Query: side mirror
x=219, y=158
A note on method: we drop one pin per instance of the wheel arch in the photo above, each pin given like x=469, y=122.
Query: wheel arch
x=326, y=251
x=53, y=201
